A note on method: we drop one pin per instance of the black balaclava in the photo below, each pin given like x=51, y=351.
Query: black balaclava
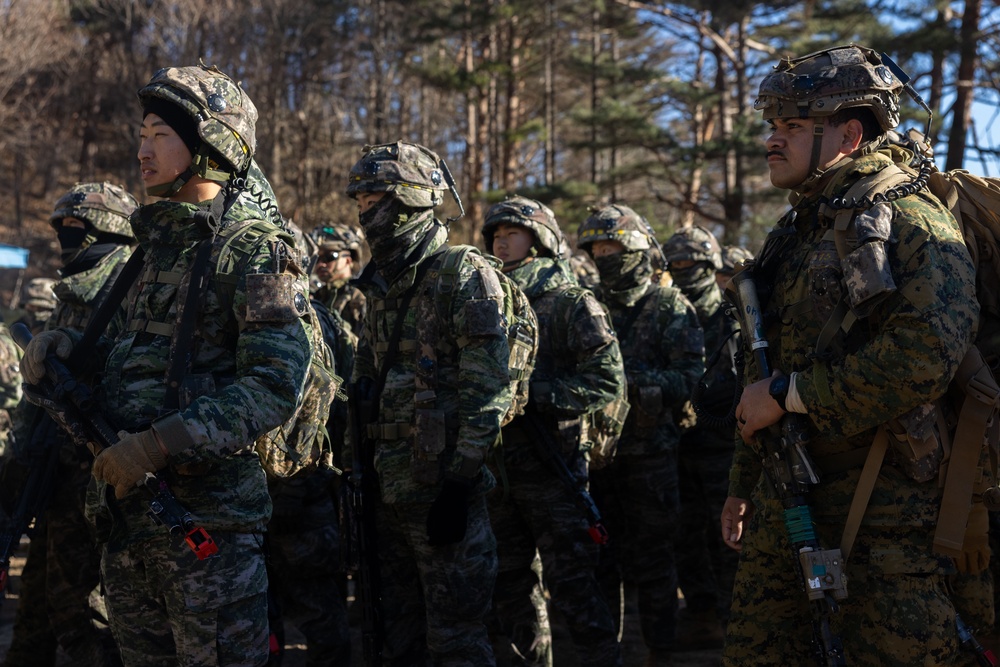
x=625, y=275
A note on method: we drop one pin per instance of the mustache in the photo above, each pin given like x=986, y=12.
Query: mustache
x=770, y=153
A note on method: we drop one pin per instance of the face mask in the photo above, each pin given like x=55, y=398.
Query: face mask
x=624, y=270
x=70, y=238
x=702, y=272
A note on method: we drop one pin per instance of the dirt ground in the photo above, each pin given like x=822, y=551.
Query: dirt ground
x=295, y=650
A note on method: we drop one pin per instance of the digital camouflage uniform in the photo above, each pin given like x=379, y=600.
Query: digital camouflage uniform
x=10, y=386
x=434, y=597
x=663, y=347
x=248, y=364
x=341, y=296
x=578, y=369
x=63, y=565
x=892, y=363
x=305, y=574
x=705, y=565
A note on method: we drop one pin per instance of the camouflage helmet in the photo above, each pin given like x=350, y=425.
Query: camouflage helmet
x=39, y=296
x=695, y=244
x=105, y=206
x=534, y=215
x=223, y=114
x=825, y=82
x=616, y=223
x=733, y=255
x=415, y=175
x=338, y=236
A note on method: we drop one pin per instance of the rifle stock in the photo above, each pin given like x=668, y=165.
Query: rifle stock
x=790, y=469
x=71, y=405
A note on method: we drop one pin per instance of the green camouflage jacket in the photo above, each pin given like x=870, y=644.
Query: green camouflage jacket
x=10, y=385
x=721, y=382
x=246, y=373
x=664, y=352
x=344, y=298
x=415, y=449
x=78, y=295
x=578, y=368
x=887, y=365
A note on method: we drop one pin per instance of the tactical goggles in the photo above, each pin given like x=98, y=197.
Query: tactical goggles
x=328, y=257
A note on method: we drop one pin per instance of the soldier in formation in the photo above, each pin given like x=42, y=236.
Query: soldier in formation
x=663, y=349
x=705, y=565
x=91, y=222
x=543, y=460
x=338, y=260
x=838, y=382
x=247, y=365
x=434, y=362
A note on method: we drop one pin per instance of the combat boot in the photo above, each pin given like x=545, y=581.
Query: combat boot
x=698, y=630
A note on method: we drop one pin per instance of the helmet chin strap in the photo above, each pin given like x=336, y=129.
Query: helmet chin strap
x=814, y=173
x=200, y=165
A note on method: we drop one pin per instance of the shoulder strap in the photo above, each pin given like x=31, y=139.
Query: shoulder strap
x=107, y=308
x=634, y=313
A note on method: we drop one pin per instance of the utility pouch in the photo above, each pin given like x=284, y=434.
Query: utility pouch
x=429, y=441
x=915, y=446
x=649, y=405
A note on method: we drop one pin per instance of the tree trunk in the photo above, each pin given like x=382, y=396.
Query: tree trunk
x=961, y=117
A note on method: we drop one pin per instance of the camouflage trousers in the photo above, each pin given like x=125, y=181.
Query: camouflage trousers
x=706, y=567
x=168, y=608
x=638, y=496
x=304, y=573
x=533, y=510
x=58, y=601
x=888, y=620
x=435, y=599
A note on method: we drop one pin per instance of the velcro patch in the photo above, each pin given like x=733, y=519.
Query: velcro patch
x=273, y=297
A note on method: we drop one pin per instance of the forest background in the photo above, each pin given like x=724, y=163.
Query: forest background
x=572, y=102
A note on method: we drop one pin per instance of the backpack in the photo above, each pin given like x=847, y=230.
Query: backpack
x=600, y=429
x=969, y=470
x=302, y=443
x=518, y=318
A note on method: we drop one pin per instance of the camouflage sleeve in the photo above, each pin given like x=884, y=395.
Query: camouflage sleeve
x=598, y=374
x=744, y=471
x=484, y=382
x=682, y=347
x=10, y=374
x=272, y=363
x=923, y=329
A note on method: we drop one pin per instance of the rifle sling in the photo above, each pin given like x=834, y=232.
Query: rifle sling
x=108, y=306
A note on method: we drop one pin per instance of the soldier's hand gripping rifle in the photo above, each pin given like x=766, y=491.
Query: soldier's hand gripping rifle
x=359, y=530
x=70, y=404
x=791, y=471
x=548, y=452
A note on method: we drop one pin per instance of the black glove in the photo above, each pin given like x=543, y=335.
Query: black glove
x=449, y=514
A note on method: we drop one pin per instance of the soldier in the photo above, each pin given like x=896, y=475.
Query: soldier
x=10, y=386
x=435, y=365
x=91, y=222
x=663, y=349
x=248, y=360
x=705, y=565
x=578, y=370
x=908, y=284
x=339, y=260
x=305, y=575
x=731, y=256
x=37, y=305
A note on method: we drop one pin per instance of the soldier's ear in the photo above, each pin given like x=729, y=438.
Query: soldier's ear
x=854, y=136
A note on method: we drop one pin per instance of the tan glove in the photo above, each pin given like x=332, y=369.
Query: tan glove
x=33, y=363
x=125, y=464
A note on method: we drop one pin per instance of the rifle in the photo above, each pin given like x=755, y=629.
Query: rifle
x=43, y=452
x=550, y=456
x=360, y=533
x=791, y=471
x=71, y=405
